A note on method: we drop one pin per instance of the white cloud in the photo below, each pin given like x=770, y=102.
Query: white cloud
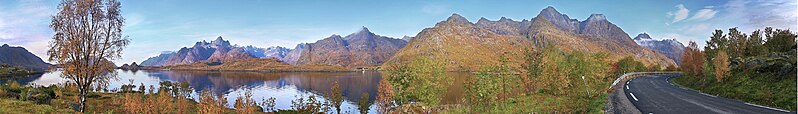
x=699, y=28
x=680, y=14
x=26, y=24
x=764, y=13
x=704, y=14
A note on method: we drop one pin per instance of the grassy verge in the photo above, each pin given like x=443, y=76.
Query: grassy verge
x=541, y=103
x=747, y=87
x=14, y=106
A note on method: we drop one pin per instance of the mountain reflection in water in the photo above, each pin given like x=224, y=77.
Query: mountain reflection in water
x=284, y=86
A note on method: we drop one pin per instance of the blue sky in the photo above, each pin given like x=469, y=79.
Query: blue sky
x=167, y=25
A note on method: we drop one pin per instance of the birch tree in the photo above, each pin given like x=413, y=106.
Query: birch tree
x=88, y=34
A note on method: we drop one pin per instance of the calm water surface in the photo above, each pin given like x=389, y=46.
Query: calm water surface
x=285, y=87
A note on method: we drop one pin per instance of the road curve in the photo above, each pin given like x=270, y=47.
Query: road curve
x=656, y=94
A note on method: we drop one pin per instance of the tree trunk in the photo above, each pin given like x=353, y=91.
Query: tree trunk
x=82, y=101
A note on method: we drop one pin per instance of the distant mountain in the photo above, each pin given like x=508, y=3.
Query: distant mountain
x=159, y=60
x=560, y=21
x=359, y=49
x=255, y=64
x=21, y=57
x=293, y=56
x=463, y=45
x=132, y=66
x=670, y=47
x=271, y=52
x=467, y=46
x=218, y=50
x=594, y=34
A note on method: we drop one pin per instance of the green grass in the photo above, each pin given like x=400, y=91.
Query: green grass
x=13, y=71
x=13, y=106
x=541, y=103
x=757, y=88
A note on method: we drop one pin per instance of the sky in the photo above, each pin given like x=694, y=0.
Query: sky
x=167, y=25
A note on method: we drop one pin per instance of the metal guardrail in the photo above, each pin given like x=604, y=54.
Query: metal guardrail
x=636, y=73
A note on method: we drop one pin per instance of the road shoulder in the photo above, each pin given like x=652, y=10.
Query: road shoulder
x=618, y=103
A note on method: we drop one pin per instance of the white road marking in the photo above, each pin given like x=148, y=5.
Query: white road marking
x=627, y=87
x=708, y=95
x=767, y=107
x=627, y=82
x=633, y=96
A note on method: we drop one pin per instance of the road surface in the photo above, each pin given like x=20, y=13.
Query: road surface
x=656, y=94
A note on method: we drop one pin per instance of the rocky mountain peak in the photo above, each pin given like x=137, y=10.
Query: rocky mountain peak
x=505, y=19
x=335, y=36
x=219, y=42
x=549, y=11
x=482, y=20
x=218, y=39
x=642, y=36
x=456, y=18
x=561, y=21
x=363, y=29
x=596, y=17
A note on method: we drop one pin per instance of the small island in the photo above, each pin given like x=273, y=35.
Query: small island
x=8, y=70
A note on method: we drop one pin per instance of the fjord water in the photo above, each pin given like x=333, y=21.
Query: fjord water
x=284, y=86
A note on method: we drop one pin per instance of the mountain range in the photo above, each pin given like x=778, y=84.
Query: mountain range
x=670, y=47
x=218, y=50
x=359, y=49
x=22, y=58
x=463, y=45
x=467, y=46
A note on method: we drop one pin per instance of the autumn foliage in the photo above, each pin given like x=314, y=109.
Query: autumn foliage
x=721, y=63
x=210, y=104
x=692, y=60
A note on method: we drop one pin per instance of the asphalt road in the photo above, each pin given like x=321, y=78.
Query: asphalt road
x=656, y=94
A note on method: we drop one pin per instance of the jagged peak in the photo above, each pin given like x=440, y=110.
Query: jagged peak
x=550, y=9
x=364, y=29
x=596, y=17
x=456, y=18
x=276, y=47
x=642, y=36
x=505, y=19
x=482, y=19
x=335, y=36
x=218, y=39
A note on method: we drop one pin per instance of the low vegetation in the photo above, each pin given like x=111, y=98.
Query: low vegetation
x=8, y=70
x=548, y=81
x=745, y=67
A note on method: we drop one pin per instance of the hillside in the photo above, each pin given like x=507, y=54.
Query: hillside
x=270, y=52
x=359, y=49
x=218, y=50
x=461, y=44
x=669, y=47
x=22, y=58
x=158, y=60
x=466, y=46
